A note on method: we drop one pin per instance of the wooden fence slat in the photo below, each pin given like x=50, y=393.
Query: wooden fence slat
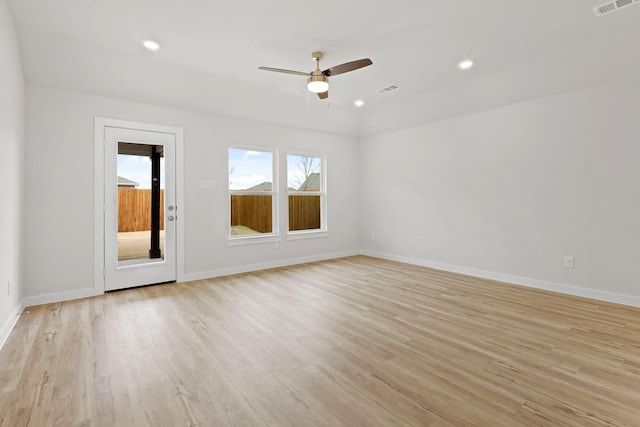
x=134, y=209
x=255, y=212
x=304, y=213
x=252, y=211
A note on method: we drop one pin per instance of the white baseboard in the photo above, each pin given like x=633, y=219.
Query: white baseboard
x=14, y=315
x=60, y=296
x=630, y=300
x=264, y=265
x=516, y=280
x=90, y=292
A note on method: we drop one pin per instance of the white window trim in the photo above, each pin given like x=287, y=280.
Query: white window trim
x=307, y=234
x=323, y=231
x=274, y=236
x=253, y=239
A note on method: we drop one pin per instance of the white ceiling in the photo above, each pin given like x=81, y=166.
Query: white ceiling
x=211, y=51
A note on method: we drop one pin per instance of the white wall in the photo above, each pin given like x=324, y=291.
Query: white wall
x=59, y=243
x=504, y=193
x=12, y=116
x=507, y=193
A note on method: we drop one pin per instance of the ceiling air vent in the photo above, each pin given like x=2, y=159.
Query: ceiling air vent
x=613, y=6
x=388, y=88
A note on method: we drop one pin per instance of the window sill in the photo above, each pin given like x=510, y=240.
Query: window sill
x=307, y=234
x=253, y=240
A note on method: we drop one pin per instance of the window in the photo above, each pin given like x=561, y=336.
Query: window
x=305, y=179
x=252, y=192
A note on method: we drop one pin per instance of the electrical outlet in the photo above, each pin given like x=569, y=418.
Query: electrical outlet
x=568, y=262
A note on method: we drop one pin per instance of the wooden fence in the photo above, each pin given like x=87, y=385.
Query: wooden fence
x=255, y=212
x=134, y=210
x=252, y=211
x=304, y=213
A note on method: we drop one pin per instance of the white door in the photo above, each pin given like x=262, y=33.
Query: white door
x=140, y=211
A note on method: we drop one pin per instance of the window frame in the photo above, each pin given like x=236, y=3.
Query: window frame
x=274, y=235
x=323, y=231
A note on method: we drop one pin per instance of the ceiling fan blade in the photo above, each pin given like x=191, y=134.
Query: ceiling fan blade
x=280, y=70
x=323, y=95
x=346, y=67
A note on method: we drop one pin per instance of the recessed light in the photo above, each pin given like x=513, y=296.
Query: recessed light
x=466, y=64
x=359, y=103
x=151, y=44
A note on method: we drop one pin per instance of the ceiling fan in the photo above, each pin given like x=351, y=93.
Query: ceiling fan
x=318, y=81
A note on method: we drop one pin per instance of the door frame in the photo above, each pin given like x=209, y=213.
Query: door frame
x=99, y=207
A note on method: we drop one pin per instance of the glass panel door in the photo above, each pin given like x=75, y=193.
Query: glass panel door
x=140, y=213
x=140, y=203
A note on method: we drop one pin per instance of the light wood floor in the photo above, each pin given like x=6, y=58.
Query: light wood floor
x=349, y=342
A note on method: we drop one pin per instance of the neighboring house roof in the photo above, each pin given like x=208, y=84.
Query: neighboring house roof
x=312, y=183
x=265, y=186
x=124, y=182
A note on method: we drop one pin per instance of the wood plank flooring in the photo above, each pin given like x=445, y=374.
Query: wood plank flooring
x=356, y=341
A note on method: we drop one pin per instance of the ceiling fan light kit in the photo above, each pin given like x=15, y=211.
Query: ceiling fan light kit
x=317, y=83
x=318, y=80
